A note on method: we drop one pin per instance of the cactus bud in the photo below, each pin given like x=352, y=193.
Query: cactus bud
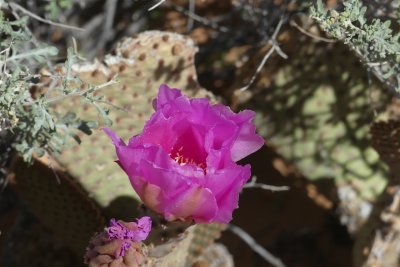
x=119, y=244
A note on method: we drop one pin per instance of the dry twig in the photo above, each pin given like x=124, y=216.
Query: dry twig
x=318, y=38
x=156, y=5
x=253, y=184
x=192, y=6
x=34, y=16
x=275, y=47
x=265, y=254
x=198, y=18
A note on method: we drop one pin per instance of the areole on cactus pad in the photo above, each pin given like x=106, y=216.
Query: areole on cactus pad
x=183, y=163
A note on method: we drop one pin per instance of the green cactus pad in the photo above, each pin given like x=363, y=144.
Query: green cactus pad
x=205, y=235
x=186, y=248
x=140, y=65
x=215, y=255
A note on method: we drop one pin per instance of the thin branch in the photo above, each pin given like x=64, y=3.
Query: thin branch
x=273, y=42
x=33, y=38
x=259, y=68
x=113, y=105
x=199, y=18
x=318, y=38
x=107, y=33
x=253, y=184
x=277, y=29
x=192, y=6
x=265, y=254
x=275, y=47
x=376, y=64
x=266, y=187
x=57, y=98
x=32, y=15
x=278, y=49
x=3, y=64
x=43, y=51
x=51, y=157
x=156, y=5
x=80, y=93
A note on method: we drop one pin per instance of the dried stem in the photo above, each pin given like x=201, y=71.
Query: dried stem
x=265, y=254
x=274, y=48
x=318, y=38
x=267, y=187
x=80, y=93
x=32, y=15
x=107, y=33
x=156, y=5
x=253, y=184
x=192, y=6
x=198, y=18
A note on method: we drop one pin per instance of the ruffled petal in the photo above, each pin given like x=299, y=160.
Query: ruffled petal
x=226, y=185
x=166, y=95
x=197, y=203
x=158, y=131
x=246, y=143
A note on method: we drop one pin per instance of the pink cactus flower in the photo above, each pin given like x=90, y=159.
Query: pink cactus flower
x=183, y=164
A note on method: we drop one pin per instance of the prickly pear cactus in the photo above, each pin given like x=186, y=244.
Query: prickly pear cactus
x=377, y=241
x=316, y=111
x=215, y=255
x=58, y=202
x=187, y=248
x=140, y=65
x=203, y=249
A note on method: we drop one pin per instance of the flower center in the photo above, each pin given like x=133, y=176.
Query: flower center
x=180, y=158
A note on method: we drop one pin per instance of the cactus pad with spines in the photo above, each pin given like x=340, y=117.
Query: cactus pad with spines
x=140, y=65
x=29, y=243
x=215, y=255
x=205, y=234
x=58, y=202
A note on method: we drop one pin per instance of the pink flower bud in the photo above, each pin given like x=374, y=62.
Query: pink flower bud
x=119, y=244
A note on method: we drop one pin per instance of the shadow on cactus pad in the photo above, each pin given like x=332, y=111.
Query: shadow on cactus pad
x=316, y=111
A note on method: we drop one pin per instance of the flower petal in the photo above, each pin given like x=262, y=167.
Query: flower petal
x=143, y=229
x=226, y=185
x=246, y=143
x=117, y=141
x=166, y=95
x=197, y=203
